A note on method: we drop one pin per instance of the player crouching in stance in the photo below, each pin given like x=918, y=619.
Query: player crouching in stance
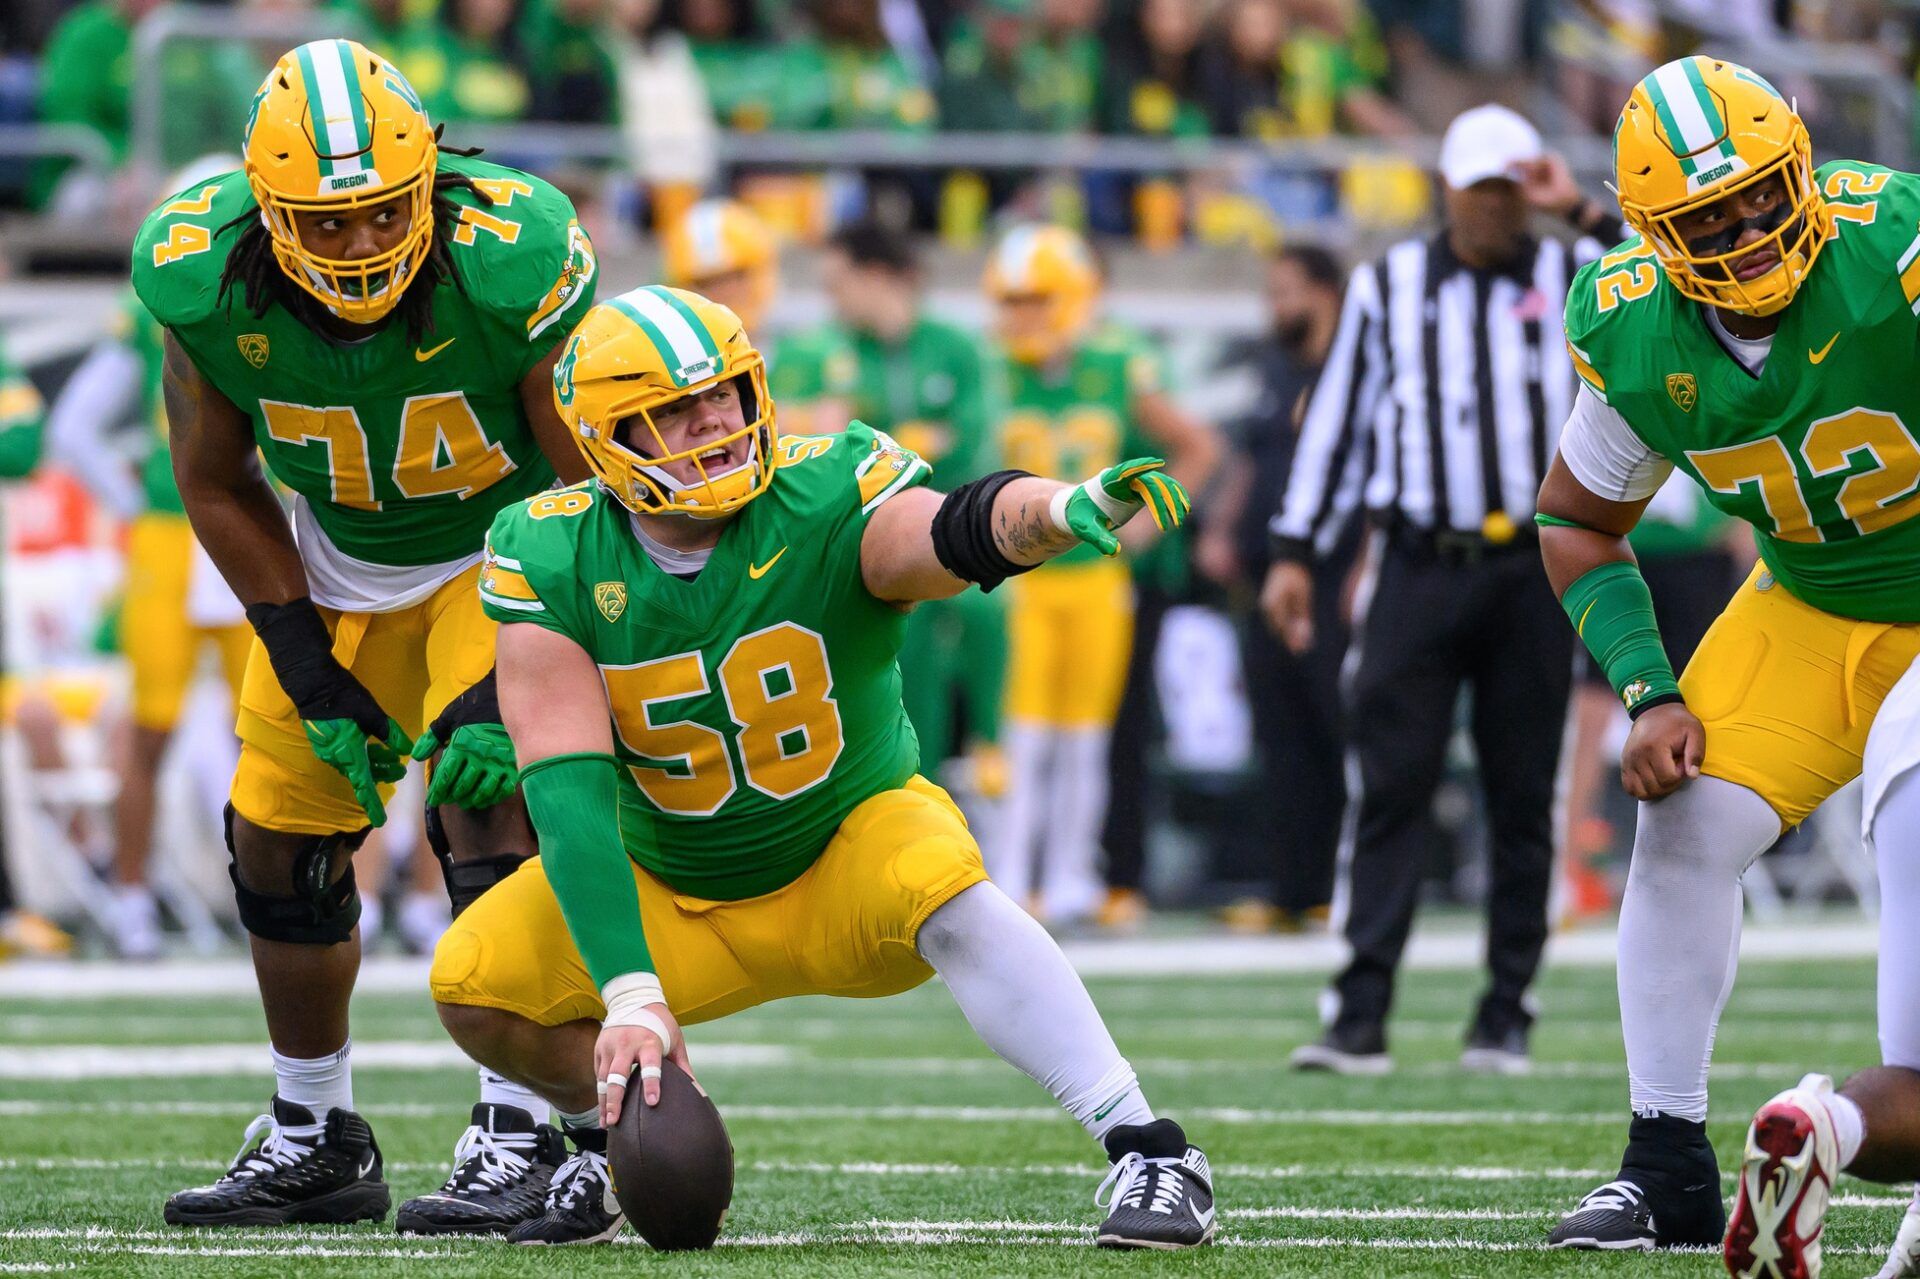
x=697, y=670
x=377, y=318
x=1758, y=334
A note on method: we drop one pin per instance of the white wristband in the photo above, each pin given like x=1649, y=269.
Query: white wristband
x=627, y=998
x=1057, y=506
x=1117, y=511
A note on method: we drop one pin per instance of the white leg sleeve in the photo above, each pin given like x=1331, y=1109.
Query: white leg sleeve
x=1024, y=1000
x=1070, y=885
x=1896, y=851
x=1009, y=856
x=1680, y=935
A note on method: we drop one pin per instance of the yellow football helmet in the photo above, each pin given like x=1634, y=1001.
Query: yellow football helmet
x=1697, y=130
x=1050, y=264
x=637, y=352
x=337, y=127
x=724, y=237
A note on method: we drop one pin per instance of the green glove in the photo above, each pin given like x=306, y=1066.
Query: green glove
x=1091, y=511
x=477, y=771
x=364, y=760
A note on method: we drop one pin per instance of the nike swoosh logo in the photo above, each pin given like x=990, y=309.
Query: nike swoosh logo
x=1204, y=1218
x=367, y=1167
x=1107, y=1109
x=424, y=356
x=1815, y=357
x=758, y=571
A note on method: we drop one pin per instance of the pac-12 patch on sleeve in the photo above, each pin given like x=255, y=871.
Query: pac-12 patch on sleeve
x=887, y=469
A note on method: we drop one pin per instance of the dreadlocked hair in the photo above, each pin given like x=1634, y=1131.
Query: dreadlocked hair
x=252, y=268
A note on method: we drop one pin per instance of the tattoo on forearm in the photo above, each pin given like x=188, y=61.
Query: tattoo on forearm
x=1027, y=535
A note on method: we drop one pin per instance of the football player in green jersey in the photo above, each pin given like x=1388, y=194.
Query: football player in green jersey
x=1075, y=395
x=697, y=664
x=923, y=382
x=376, y=317
x=1759, y=334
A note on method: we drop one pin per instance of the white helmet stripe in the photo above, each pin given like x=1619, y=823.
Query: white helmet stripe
x=338, y=105
x=1015, y=256
x=1696, y=131
x=688, y=349
x=703, y=232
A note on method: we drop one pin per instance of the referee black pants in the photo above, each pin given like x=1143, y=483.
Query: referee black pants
x=1430, y=626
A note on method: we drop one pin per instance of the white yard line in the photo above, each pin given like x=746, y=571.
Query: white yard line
x=177, y=1061
x=1445, y=949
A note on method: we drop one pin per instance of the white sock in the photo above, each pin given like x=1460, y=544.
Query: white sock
x=1896, y=850
x=1849, y=1125
x=1680, y=936
x=1024, y=1000
x=497, y=1090
x=1009, y=857
x=1070, y=884
x=320, y=1083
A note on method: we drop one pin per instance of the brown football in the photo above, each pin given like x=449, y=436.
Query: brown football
x=672, y=1164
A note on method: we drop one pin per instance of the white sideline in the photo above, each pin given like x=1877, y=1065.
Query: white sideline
x=1437, y=948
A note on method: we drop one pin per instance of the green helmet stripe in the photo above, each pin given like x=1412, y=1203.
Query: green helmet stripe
x=316, y=116
x=1687, y=113
x=708, y=346
x=1709, y=106
x=356, y=99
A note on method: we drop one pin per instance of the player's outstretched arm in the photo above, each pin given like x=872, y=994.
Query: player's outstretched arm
x=1583, y=542
x=923, y=545
x=554, y=704
x=239, y=520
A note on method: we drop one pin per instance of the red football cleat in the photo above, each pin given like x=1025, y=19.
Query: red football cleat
x=1785, y=1178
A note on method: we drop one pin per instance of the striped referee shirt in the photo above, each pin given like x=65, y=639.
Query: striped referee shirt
x=1442, y=397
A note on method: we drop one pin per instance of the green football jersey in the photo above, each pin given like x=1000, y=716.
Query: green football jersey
x=22, y=422
x=1816, y=451
x=1073, y=418
x=755, y=704
x=404, y=452
x=928, y=391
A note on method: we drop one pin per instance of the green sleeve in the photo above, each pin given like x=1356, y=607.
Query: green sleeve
x=1612, y=612
x=574, y=801
x=524, y=575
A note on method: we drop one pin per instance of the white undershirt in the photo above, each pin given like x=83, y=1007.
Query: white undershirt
x=1751, y=352
x=671, y=561
x=336, y=579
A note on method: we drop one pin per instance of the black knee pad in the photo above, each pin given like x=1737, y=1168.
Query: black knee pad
x=467, y=879
x=318, y=913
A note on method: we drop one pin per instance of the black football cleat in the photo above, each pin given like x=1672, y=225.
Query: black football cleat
x=300, y=1172
x=501, y=1170
x=1667, y=1194
x=1359, y=1049
x=580, y=1205
x=1159, y=1192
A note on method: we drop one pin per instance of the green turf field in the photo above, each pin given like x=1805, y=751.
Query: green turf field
x=880, y=1138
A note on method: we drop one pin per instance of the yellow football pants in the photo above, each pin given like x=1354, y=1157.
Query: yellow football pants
x=161, y=642
x=1069, y=635
x=1787, y=693
x=413, y=660
x=845, y=927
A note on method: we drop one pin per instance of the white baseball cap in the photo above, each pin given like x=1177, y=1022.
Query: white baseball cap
x=1486, y=142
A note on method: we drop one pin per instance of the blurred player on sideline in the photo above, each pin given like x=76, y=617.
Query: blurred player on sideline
x=1078, y=396
x=923, y=382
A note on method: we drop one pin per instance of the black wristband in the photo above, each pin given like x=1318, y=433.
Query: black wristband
x=300, y=649
x=1290, y=550
x=963, y=532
